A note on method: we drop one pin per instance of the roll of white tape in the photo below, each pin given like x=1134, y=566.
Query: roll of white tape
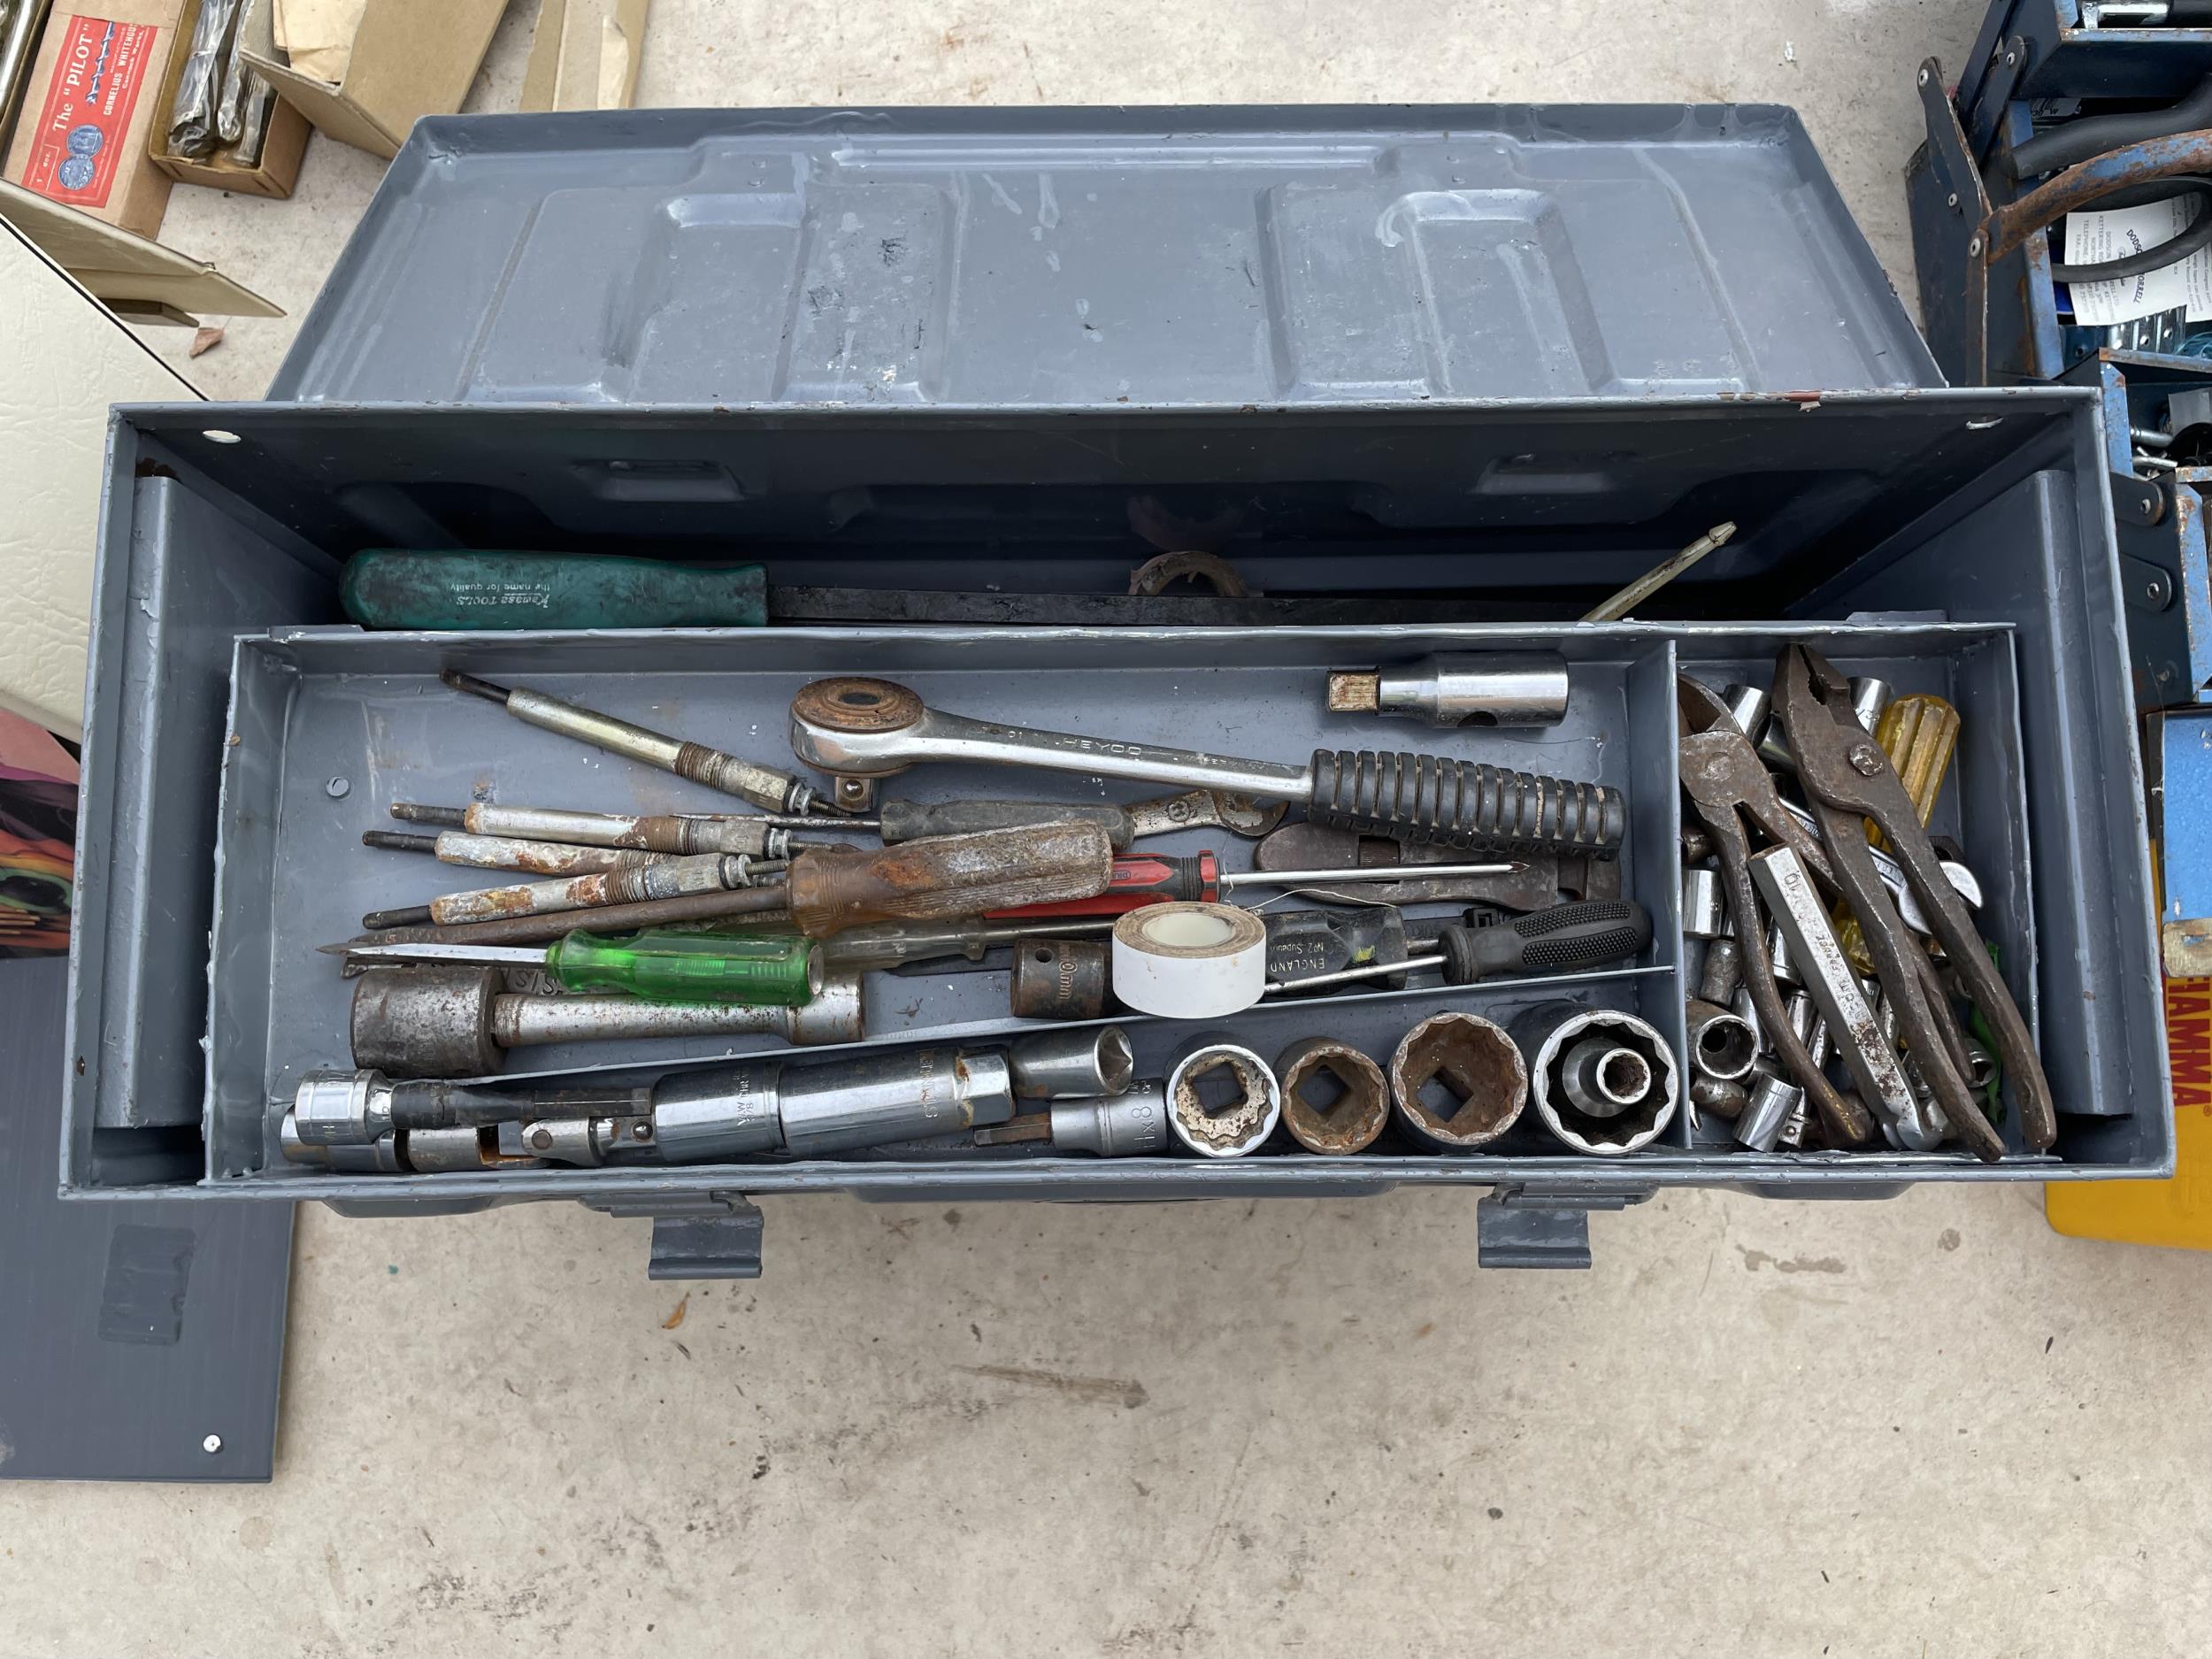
x=1186, y=961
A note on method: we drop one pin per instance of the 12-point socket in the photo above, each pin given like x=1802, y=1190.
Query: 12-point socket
x=1603, y=1082
x=1458, y=1081
x=1335, y=1101
x=1222, y=1101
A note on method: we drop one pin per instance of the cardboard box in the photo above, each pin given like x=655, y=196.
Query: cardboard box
x=93, y=97
x=66, y=361
x=130, y=275
x=584, y=55
x=410, y=58
x=281, y=147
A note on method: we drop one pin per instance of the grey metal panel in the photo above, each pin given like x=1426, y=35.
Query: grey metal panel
x=126, y=1336
x=1163, y=257
x=171, y=588
x=1488, y=498
x=2087, y=819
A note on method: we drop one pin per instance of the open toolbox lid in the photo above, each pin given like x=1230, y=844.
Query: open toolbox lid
x=1086, y=256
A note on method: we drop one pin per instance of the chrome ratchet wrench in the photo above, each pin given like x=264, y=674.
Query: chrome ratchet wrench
x=859, y=731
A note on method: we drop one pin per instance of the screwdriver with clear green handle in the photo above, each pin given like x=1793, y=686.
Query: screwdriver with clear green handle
x=758, y=970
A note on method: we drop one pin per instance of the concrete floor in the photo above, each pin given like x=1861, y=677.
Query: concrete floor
x=1927, y=1427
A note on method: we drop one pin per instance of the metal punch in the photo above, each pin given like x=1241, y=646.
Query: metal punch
x=1847, y=778
x=1727, y=783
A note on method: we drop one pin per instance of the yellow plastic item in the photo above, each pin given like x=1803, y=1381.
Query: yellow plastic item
x=2178, y=1212
x=1919, y=733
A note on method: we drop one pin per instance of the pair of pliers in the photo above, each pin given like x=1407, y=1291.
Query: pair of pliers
x=1848, y=781
x=1727, y=783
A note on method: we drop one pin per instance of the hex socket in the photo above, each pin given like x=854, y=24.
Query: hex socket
x=1747, y=707
x=1718, y=1096
x=1473, y=1062
x=1071, y=1064
x=1768, y=1112
x=1354, y=1096
x=1722, y=973
x=1223, y=1101
x=1721, y=1045
x=875, y=1098
x=1704, y=910
x=1123, y=1126
x=379, y=1156
x=1564, y=1043
x=1058, y=978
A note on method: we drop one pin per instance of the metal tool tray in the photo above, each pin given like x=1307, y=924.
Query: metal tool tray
x=310, y=707
x=1885, y=513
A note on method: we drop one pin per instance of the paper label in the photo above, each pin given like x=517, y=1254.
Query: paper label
x=78, y=142
x=2094, y=237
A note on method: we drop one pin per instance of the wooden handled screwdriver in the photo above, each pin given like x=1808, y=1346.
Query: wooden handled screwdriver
x=826, y=890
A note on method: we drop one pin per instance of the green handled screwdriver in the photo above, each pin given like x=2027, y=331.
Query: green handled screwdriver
x=401, y=588
x=756, y=969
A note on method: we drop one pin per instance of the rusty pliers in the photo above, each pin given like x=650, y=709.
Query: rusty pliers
x=1727, y=783
x=1849, y=780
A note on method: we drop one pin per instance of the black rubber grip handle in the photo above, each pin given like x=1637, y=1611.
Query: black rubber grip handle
x=1566, y=939
x=1425, y=798
x=2076, y=141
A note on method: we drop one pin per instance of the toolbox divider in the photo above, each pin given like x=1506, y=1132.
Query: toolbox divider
x=1655, y=830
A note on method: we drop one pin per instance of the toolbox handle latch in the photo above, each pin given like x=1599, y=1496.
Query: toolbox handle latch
x=700, y=1236
x=1526, y=1226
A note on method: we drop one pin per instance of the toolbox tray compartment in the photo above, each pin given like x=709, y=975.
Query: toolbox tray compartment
x=1949, y=541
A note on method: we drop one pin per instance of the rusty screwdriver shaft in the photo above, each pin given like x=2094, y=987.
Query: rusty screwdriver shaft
x=763, y=786
x=665, y=879
x=613, y=919
x=754, y=833
x=506, y=852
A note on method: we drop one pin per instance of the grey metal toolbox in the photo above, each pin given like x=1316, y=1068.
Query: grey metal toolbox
x=1514, y=354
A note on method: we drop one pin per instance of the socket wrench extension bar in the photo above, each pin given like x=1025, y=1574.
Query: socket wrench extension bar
x=738, y=1110
x=859, y=731
x=1455, y=688
x=751, y=1107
